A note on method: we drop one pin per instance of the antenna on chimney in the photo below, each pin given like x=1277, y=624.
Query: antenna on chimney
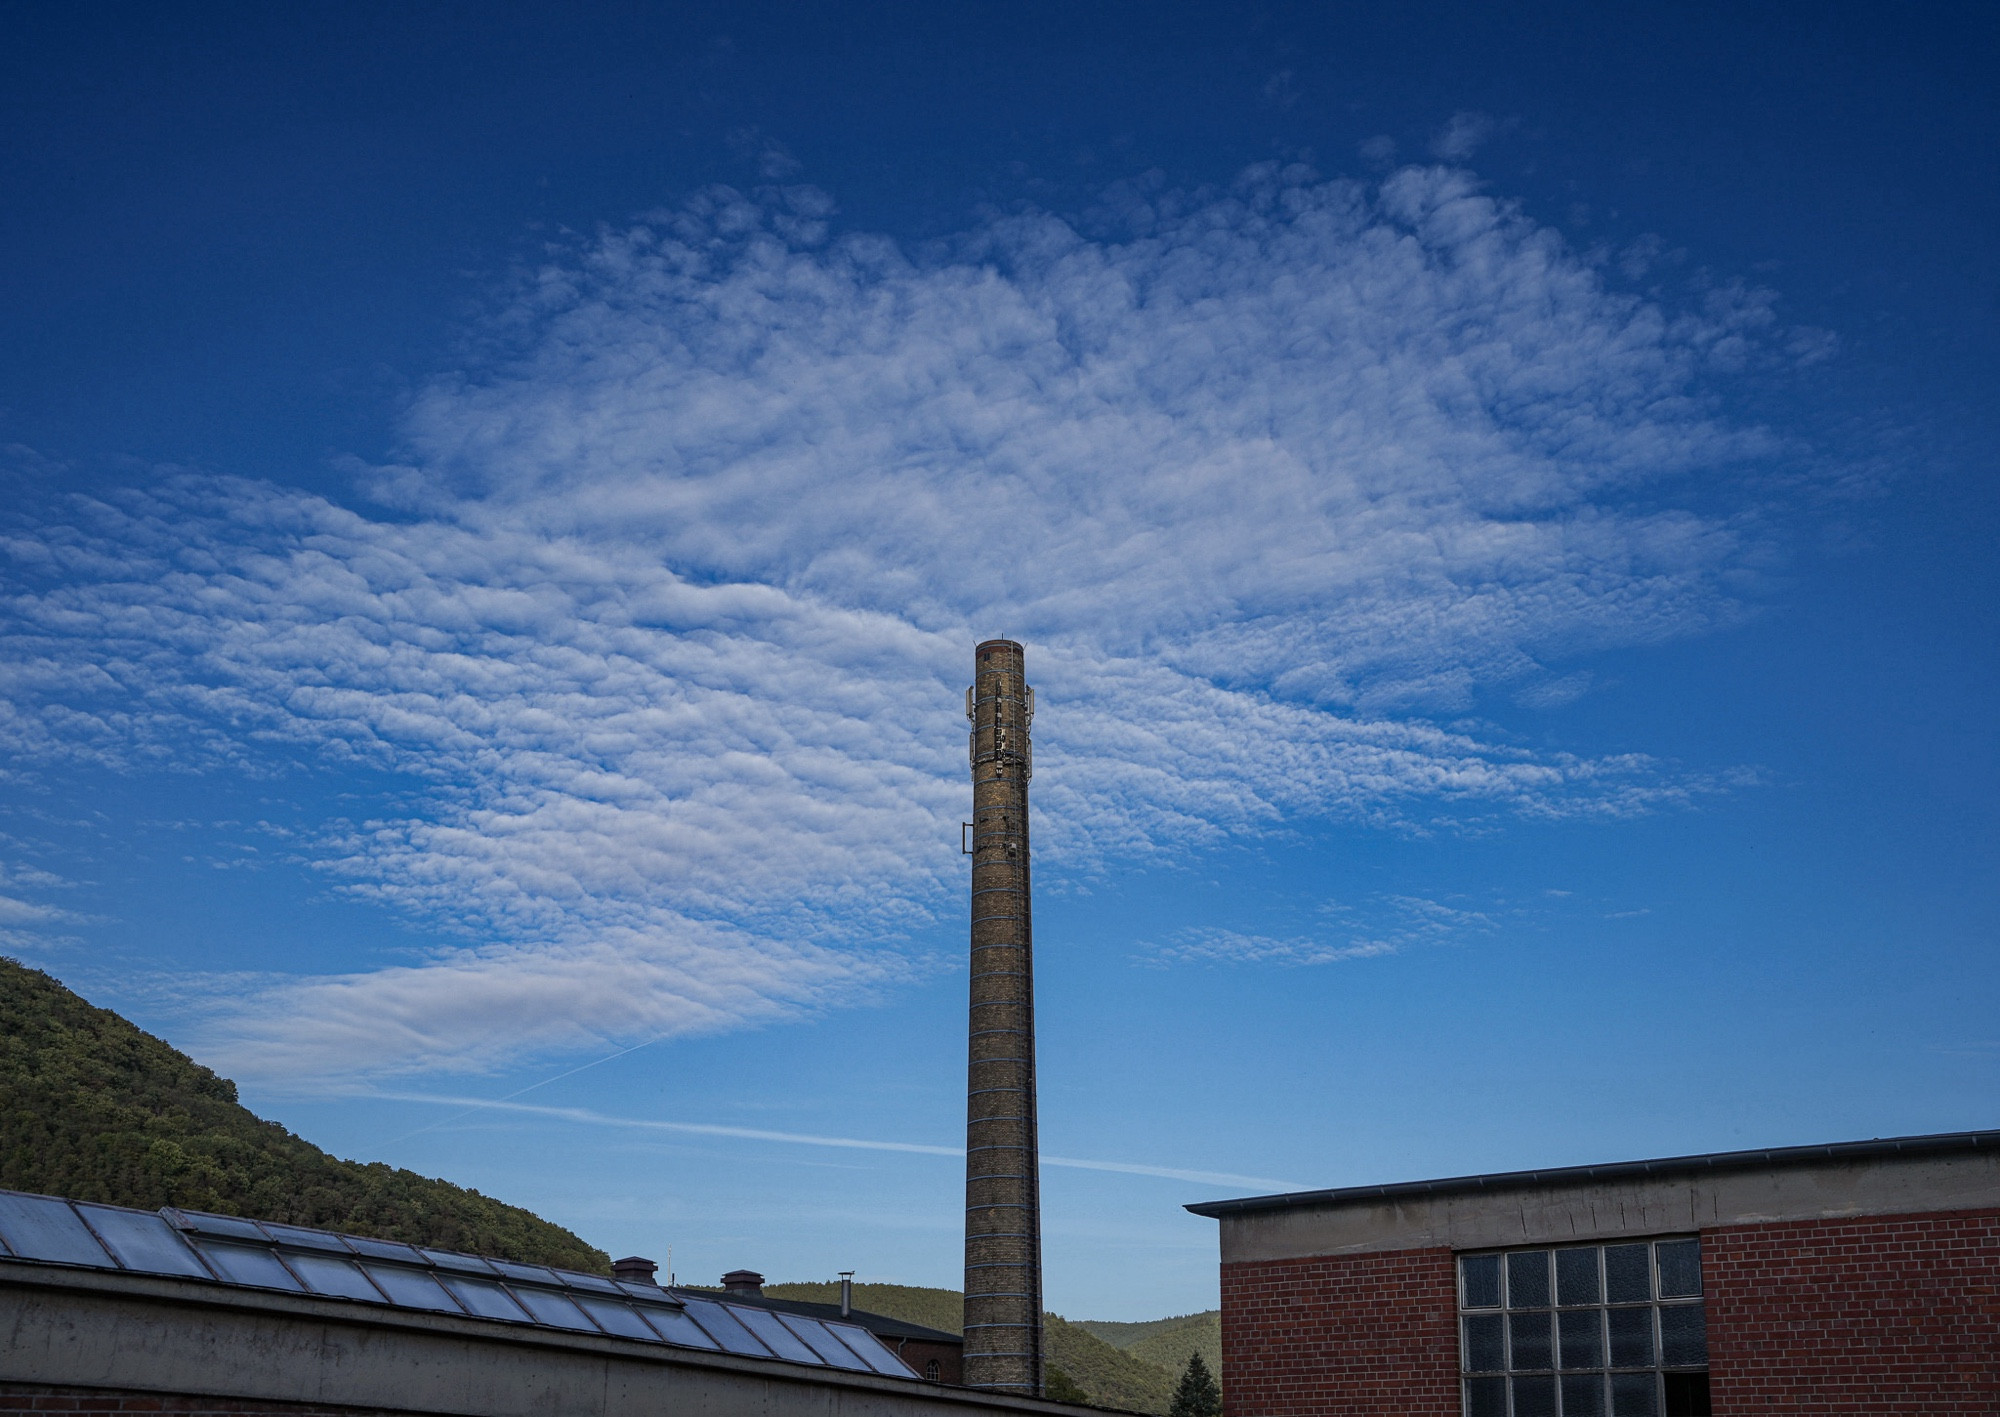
x=1003, y=1203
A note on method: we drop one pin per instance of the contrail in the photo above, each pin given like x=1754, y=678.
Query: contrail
x=524, y=1091
x=710, y=1129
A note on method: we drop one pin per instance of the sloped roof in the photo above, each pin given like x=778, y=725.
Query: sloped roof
x=253, y=1255
x=874, y=1323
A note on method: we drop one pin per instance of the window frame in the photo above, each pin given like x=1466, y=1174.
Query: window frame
x=1499, y=1326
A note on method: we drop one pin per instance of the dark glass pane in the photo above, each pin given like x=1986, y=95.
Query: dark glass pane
x=224, y=1227
x=1484, y=1351
x=142, y=1240
x=1528, y=1341
x=298, y=1237
x=1582, y=1338
x=722, y=1326
x=1576, y=1277
x=44, y=1228
x=1583, y=1396
x=329, y=1274
x=383, y=1250
x=1482, y=1281
x=1634, y=1395
x=248, y=1264
x=1680, y=1269
x=1628, y=1273
x=1683, y=1336
x=533, y=1273
x=1528, y=1280
x=1535, y=1397
x=871, y=1350
x=616, y=1318
x=483, y=1297
x=779, y=1339
x=411, y=1288
x=595, y=1283
x=462, y=1264
x=1631, y=1337
x=676, y=1327
x=1687, y=1394
x=1485, y=1397
x=815, y=1336
x=553, y=1309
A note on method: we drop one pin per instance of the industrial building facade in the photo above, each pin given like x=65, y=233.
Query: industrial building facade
x=105, y=1310
x=1856, y=1278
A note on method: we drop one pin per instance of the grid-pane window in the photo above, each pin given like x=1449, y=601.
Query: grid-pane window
x=1584, y=1331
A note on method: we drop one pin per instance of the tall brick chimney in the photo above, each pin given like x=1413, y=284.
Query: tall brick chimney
x=1003, y=1205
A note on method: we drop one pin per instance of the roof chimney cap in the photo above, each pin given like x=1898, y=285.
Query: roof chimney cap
x=744, y=1281
x=635, y=1269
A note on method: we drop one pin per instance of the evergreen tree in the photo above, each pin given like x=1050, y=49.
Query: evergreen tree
x=1197, y=1395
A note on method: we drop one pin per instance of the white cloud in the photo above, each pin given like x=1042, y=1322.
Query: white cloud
x=1387, y=925
x=1463, y=136
x=674, y=615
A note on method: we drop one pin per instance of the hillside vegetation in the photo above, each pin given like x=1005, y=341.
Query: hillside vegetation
x=1167, y=1342
x=1109, y=1374
x=933, y=1308
x=94, y=1108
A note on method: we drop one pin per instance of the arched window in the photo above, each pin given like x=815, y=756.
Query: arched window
x=932, y=1372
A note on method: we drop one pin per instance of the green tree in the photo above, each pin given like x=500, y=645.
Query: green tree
x=94, y=1109
x=1197, y=1395
x=1061, y=1387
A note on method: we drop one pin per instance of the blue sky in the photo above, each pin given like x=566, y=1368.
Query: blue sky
x=499, y=501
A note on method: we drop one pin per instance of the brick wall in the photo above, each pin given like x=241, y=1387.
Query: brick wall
x=1349, y=1335
x=109, y=1402
x=1879, y=1315
x=950, y=1357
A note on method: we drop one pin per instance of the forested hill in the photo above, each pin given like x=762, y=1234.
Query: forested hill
x=1167, y=1342
x=94, y=1108
x=1083, y=1367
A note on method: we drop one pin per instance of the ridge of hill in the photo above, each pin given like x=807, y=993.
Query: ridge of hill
x=933, y=1308
x=1103, y=1373
x=94, y=1108
x=1166, y=1342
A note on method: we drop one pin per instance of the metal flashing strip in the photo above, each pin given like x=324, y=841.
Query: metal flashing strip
x=255, y=1255
x=1878, y=1149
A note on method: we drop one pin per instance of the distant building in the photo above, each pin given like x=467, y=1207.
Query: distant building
x=106, y=1310
x=932, y=1353
x=1856, y=1278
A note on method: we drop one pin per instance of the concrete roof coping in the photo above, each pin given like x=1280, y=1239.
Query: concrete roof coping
x=184, y=1298
x=1777, y=1158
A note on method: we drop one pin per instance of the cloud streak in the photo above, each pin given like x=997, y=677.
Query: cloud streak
x=588, y=1117
x=667, y=625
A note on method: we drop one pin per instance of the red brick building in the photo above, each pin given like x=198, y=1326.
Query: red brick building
x=1856, y=1278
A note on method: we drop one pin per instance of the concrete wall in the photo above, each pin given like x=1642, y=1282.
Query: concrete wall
x=1637, y=1205
x=127, y=1333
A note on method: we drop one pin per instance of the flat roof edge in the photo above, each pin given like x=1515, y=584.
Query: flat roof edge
x=1878, y=1148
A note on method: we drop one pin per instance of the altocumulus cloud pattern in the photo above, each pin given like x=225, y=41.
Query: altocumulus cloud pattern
x=668, y=603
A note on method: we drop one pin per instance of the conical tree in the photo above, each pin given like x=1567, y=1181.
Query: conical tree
x=1197, y=1395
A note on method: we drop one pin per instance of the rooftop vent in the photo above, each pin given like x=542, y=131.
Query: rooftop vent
x=635, y=1269
x=744, y=1281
